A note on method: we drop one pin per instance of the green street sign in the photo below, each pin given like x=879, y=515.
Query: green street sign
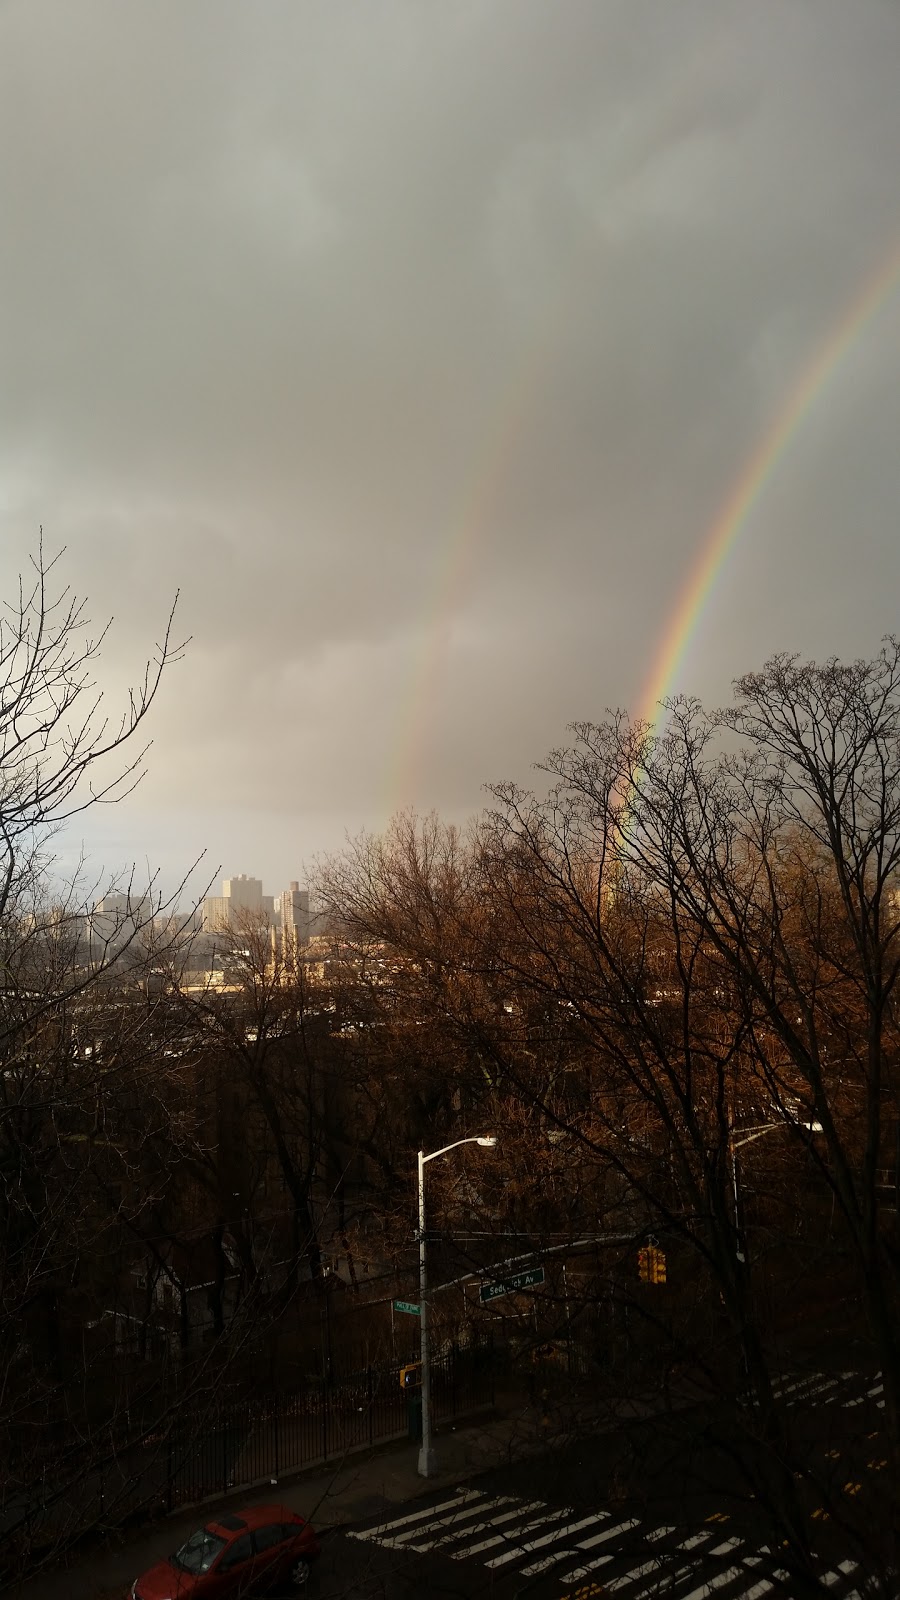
x=408, y=1307
x=521, y=1280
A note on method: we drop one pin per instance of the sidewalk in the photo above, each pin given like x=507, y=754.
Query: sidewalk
x=363, y=1485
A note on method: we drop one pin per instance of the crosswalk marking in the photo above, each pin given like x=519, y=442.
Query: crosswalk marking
x=586, y=1570
x=456, y=1533
x=843, y=1377
x=821, y=1388
x=501, y=1538
x=504, y=1529
x=459, y=1499
x=625, y=1579
x=635, y=1573
x=516, y=1552
x=695, y=1539
x=411, y=1536
x=845, y=1569
x=827, y=1389
x=589, y=1544
x=764, y=1586
x=551, y=1538
x=797, y=1386
x=719, y=1582
x=601, y=1538
x=785, y=1388
x=651, y=1568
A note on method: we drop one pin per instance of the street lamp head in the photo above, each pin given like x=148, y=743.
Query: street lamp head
x=487, y=1142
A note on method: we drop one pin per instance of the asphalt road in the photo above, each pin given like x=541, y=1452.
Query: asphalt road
x=654, y=1510
x=506, y=1546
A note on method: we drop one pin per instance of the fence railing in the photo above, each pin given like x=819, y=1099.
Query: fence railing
x=231, y=1444
x=243, y=1443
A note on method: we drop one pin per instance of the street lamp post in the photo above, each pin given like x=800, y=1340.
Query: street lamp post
x=427, y=1458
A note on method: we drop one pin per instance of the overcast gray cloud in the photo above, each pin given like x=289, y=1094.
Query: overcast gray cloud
x=419, y=345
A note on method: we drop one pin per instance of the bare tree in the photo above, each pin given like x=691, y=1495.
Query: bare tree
x=74, y=1056
x=689, y=946
x=716, y=908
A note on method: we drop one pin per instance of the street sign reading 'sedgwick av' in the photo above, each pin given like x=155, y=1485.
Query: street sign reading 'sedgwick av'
x=521, y=1280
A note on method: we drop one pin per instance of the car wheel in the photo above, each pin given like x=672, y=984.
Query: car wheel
x=300, y=1573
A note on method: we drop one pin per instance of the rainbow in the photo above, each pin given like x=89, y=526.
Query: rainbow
x=491, y=469
x=752, y=481
x=451, y=577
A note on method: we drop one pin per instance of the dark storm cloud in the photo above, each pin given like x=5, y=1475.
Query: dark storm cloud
x=274, y=277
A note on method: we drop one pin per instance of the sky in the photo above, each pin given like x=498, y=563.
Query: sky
x=419, y=347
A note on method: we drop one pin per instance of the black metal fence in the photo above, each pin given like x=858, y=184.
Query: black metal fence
x=230, y=1444
x=243, y=1442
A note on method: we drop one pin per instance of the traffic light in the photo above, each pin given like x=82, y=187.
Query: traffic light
x=651, y=1264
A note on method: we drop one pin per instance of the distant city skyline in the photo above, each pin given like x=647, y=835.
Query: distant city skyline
x=242, y=898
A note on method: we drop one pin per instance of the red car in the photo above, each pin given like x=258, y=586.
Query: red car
x=236, y=1555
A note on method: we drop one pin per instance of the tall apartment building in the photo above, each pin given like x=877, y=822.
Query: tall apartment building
x=245, y=894
x=293, y=905
x=215, y=914
x=242, y=899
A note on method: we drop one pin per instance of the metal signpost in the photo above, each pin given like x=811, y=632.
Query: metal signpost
x=521, y=1280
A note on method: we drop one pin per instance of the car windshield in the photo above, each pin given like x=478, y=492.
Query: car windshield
x=200, y=1551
